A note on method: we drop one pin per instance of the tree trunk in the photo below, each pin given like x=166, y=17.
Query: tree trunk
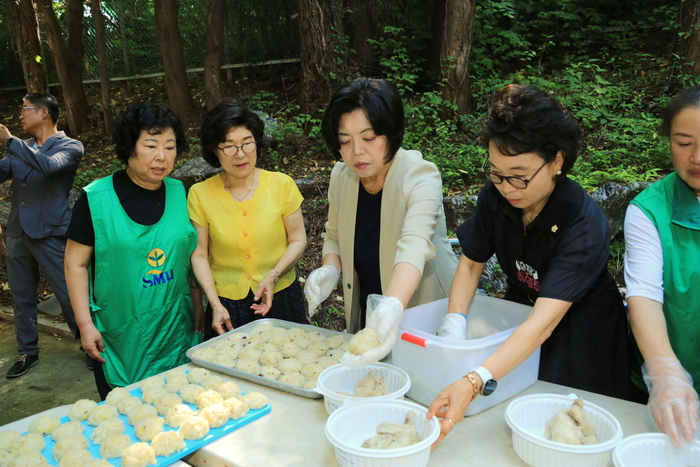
x=318, y=60
x=26, y=29
x=69, y=74
x=170, y=44
x=213, y=89
x=102, y=65
x=690, y=21
x=362, y=25
x=455, y=50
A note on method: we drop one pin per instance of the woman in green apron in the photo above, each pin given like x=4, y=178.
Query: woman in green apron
x=128, y=256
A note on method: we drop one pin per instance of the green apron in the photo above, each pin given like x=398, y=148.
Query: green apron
x=673, y=208
x=140, y=295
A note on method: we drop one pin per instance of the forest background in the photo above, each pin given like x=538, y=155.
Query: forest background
x=613, y=63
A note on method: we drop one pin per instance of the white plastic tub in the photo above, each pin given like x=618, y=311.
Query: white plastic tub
x=340, y=378
x=527, y=416
x=655, y=449
x=433, y=362
x=349, y=426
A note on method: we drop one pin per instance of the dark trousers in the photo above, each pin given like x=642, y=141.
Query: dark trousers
x=26, y=258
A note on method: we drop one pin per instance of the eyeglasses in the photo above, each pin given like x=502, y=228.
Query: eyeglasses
x=231, y=150
x=516, y=182
x=24, y=109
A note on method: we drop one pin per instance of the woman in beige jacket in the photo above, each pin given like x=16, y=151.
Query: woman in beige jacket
x=386, y=225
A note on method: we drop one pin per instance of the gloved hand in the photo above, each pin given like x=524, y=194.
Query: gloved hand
x=454, y=326
x=673, y=402
x=319, y=286
x=383, y=314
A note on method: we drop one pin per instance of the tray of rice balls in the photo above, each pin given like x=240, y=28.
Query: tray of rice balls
x=156, y=424
x=278, y=354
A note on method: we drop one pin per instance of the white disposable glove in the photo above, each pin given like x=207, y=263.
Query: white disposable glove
x=673, y=402
x=454, y=326
x=319, y=285
x=383, y=314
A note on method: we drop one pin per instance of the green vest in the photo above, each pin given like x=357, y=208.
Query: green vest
x=673, y=208
x=140, y=295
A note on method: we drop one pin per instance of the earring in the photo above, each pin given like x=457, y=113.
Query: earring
x=558, y=172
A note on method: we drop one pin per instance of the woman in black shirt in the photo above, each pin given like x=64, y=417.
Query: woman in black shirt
x=552, y=241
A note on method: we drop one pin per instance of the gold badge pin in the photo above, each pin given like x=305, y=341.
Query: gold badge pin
x=554, y=229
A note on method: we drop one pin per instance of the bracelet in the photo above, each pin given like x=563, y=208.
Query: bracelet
x=276, y=273
x=475, y=385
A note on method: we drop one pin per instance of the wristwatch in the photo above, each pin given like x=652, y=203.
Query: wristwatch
x=488, y=383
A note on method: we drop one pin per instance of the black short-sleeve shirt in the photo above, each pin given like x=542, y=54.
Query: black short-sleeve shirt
x=563, y=255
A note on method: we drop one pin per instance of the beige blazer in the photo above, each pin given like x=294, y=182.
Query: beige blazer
x=412, y=230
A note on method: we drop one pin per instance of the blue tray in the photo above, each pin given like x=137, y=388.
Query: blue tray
x=190, y=446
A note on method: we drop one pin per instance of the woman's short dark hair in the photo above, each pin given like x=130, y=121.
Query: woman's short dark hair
x=41, y=100
x=152, y=118
x=228, y=114
x=689, y=97
x=381, y=103
x=525, y=119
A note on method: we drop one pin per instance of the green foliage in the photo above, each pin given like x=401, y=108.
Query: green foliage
x=617, y=255
x=397, y=64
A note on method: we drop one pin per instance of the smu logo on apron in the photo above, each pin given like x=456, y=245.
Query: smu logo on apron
x=156, y=259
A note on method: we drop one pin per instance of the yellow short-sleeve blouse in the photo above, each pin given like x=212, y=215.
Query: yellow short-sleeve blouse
x=245, y=239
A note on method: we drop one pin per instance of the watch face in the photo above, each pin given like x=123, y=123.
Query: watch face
x=489, y=387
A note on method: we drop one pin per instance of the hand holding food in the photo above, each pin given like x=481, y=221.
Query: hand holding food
x=454, y=326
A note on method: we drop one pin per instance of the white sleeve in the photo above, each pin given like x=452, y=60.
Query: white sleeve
x=644, y=261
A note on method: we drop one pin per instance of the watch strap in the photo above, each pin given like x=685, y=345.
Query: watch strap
x=484, y=374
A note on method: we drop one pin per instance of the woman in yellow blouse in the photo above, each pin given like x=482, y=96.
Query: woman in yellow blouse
x=250, y=229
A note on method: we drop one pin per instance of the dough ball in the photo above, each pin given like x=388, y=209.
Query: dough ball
x=101, y=413
x=150, y=395
x=167, y=400
x=194, y=428
x=8, y=438
x=289, y=350
x=67, y=429
x=276, y=330
x=290, y=365
x=211, y=382
x=29, y=442
x=325, y=362
x=151, y=382
x=239, y=337
x=269, y=372
x=271, y=358
x=229, y=389
x=116, y=395
x=175, y=372
x=309, y=383
x=98, y=463
x=138, y=455
x=294, y=378
x=6, y=458
x=364, y=340
x=113, y=446
x=113, y=426
x=279, y=339
x=207, y=354
x=263, y=328
x=225, y=360
x=81, y=410
x=303, y=342
x=125, y=406
x=312, y=371
x=190, y=392
x=176, y=383
x=335, y=341
x=248, y=366
x=215, y=414
x=316, y=336
x=267, y=347
x=295, y=333
x=197, y=375
x=250, y=353
x=67, y=444
x=208, y=398
x=29, y=459
x=254, y=400
x=147, y=428
x=44, y=425
x=232, y=351
x=142, y=412
x=306, y=357
x=77, y=458
x=236, y=409
x=319, y=348
x=336, y=353
x=177, y=414
x=167, y=443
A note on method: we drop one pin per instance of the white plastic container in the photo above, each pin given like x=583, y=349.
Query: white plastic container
x=654, y=449
x=527, y=416
x=349, y=426
x=340, y=378
x=433, y=362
